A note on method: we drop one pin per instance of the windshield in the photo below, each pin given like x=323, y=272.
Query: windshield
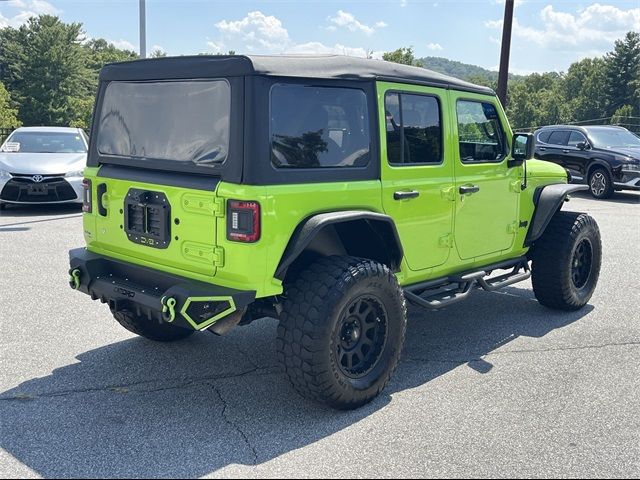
x=181, y=121
x=44, y=142
x=614, y=138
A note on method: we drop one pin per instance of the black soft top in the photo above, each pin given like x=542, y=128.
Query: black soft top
x=337, y=67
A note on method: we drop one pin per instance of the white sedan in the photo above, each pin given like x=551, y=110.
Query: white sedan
x=43, y=165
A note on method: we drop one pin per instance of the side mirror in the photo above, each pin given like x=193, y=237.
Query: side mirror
x=523, y=147
x=583, y=146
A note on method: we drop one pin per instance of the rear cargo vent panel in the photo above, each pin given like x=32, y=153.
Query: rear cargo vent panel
x=147, y=218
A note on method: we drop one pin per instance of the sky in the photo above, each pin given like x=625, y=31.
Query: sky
x=548, y=35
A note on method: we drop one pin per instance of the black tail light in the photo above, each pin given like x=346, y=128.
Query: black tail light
x=87, y=203
x=243, y=221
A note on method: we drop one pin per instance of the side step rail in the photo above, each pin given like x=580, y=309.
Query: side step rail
x=437, y=294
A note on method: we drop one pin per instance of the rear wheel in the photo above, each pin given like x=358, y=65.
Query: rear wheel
x=341, y=331
x=151, y=329
x=566, y=261
x=600, y=183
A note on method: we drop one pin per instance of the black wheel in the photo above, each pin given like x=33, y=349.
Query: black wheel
x=153, y=330
x=600, y=183
x=566, y=261
x=341, y=330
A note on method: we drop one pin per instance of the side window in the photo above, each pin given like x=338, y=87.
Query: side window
x=480, y=133
x=544, y=136
x=559, y=137
x=575, y=138
x=319, y=127
x=414, y=132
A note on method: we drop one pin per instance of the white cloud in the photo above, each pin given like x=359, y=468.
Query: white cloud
x=123, y=44
x=260, y=33
x=256, y=29
x=27, y=9
x=403, y=3
x=436, y=47
x=350, y=22
x=591, y=30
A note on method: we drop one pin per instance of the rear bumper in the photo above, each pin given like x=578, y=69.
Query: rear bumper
x=157, y=295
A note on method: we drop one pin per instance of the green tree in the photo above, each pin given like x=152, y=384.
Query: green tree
x=623, y=74
x=157, y=53
x=583, y=88
x=47, y=73
x=402, y=55
x=8, y=114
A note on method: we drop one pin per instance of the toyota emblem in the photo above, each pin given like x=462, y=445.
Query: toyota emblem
x=37, y=178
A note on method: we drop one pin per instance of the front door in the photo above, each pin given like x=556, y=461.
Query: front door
x=487, y=190
x=417, y=170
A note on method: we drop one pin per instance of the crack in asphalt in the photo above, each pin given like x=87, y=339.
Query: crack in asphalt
x=512, y=352
x=234, y=425
x=127, y=388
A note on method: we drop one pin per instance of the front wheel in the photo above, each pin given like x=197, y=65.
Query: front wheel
x=600, y=183
x=566, y=261
x=341, y=330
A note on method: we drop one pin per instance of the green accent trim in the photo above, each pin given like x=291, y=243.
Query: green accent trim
x=168, y=305
x=74, y=279
x=207, y=323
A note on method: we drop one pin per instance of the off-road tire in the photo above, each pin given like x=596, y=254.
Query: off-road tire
x=319, y=304
x=151, y=329
x=600, y=183
x=560, y=279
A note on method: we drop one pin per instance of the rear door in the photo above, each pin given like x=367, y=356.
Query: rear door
x=151, y=138
x=417, y=171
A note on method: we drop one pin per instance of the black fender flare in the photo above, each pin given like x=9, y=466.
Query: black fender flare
x=309, y=228
x=548, y=199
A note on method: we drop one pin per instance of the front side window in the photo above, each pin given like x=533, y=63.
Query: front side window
x=319, y=127
x=180, y=121
x=480, y=133
x=45, y=142
x=576, y=138
x=414, y=132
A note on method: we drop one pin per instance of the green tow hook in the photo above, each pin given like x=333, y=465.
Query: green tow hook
x=168, y=309
x=74, y=278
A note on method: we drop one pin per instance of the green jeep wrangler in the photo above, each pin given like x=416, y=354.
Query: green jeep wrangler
x=325, y=191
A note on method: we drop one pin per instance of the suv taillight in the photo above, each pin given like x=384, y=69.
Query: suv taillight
x=87, y=204
x=243, y=221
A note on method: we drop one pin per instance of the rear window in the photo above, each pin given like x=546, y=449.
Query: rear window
x=559, y=137
x=45, y=142
x=182, y=121
x=319, y=127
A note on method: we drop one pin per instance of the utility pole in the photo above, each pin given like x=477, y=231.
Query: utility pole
x=503, y=75
x=143, y=30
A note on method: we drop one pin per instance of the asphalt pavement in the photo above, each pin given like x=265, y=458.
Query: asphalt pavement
x=497, y=386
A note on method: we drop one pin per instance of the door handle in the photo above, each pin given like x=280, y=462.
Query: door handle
x=464, y=189
x=542, y=148
x=405, y=195
x=565, y=151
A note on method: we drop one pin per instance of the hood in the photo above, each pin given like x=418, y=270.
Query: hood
x=42, y=163
x=634, y=153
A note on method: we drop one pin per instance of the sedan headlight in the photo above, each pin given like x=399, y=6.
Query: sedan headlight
x=631, y=166
x=77, y=173
x=4, y=175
